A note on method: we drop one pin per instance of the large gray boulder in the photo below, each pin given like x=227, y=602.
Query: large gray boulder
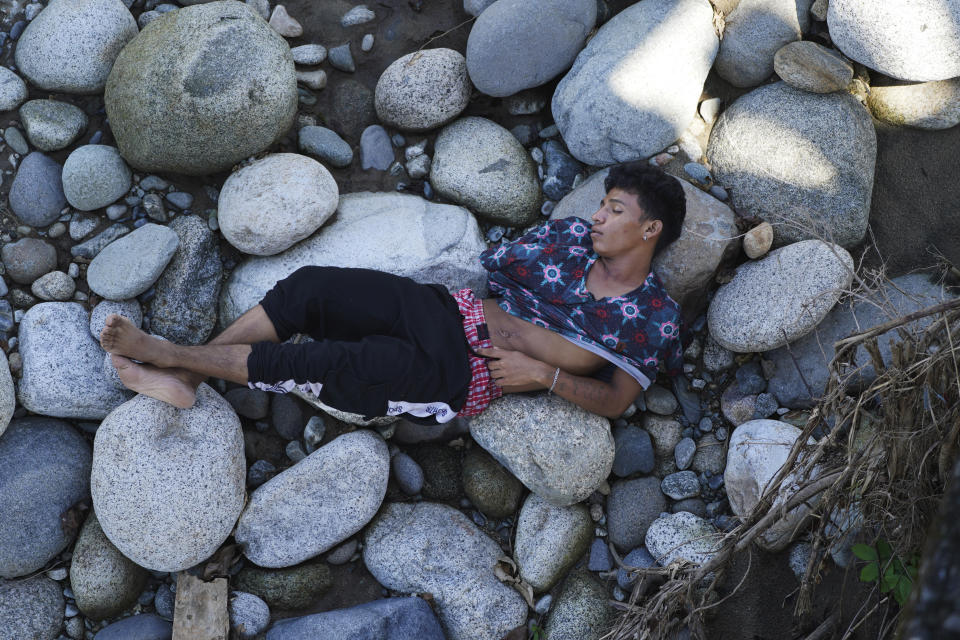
x=423, y=90
x=31, y=609
x=185, y=305
x=519, y=44
x=427, y=547
x=558, y=450
x=201, y=89
x=481, y=165
x=105, y=583
x=634, y=88
x=924, y=105
x=8, y=394
x=168, y=484
x=550, y=540
x=71, y=45
x=917, y=41
x=753, y=33
x=388, y=619
x=62, y=372
x=44, y=470
x=127, y=267
x=399, y=233
x=802, y=161
x=687, y=266
x=317, y=503
x=780, y=298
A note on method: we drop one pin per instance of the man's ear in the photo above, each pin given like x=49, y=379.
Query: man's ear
x=653, y=227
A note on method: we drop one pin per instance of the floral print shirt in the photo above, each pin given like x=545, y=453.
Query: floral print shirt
x=541, y=277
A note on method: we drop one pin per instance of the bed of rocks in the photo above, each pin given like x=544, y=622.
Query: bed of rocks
x=171, y=162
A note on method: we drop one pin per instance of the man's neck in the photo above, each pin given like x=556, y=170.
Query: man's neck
x=626, y=271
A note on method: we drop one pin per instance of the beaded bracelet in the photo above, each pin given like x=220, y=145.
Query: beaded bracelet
x=556, y=376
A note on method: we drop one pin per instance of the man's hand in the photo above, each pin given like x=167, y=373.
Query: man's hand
x=511, y=368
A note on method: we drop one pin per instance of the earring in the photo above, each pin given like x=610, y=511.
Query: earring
x=644, y=236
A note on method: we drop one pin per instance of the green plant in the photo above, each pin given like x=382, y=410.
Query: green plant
x=887, y=569
x=536, y=632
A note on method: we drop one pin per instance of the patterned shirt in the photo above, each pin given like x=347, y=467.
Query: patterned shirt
x=542, y=278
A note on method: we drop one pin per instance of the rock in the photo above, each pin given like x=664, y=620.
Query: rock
x=249, y=615
x=696, y=506
x=315, y=80
x=918, y=44
x=316, y=504
x=13, y=137
x=710, y=456
x=737, y=407
x=249, y=403
x=489, y=486
x=634, y=451
x=51, y=124
x=13, y=90
x=27, y=259
x=44, y=471
x=185, y=305
x=428, y=547
x=389, y=619
x=423, y=90
x=683, y=453
x=205, y=87
x=757, y=451
x=660, y=400
x=550, y=540
x=407, y=473
x=367, y=43
x=665, y=433
x=190, y=482
x=558, y=450
x=600, y=558
x=812, y=67
x=63, y=365
x=771, y=148
x=326, y=145
x=476, y=7
x=144, y=626
x=480, y=165
x=631, y=507
x=292, y=588
x=309, y=54
x=399, y=233
x=70, y=46
x=681, y=485
x=682, y=536
x=639, y=558
x=757, y=241
x=344, y=553
x=560, y=172
x=582, y=610
x=627, y=96
x=753, y=33
x=55, y=285
x=130, y=265
x=520, y=44
x=352, y=109
x=284, y=24
x=927, y=105
x=90, y=248
x=273, y=203
x=95, y=176
x=36, y=195
x=105, y=583
x=8, y=398
x=376, y=151
x=31, y=609
x=441, y=470
x=797, y=284
x=360, y=14
x=130, y=309
x=341, y=58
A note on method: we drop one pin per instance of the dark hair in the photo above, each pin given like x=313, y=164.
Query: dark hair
x=659, y=195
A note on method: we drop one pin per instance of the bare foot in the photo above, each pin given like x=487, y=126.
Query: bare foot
x=156, y=383
x=121, y=337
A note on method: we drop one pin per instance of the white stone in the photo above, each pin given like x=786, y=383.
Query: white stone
x=682, y=536
x=13, y=90
x=55, y=285
x=927, y=105
x=127, y=267
x=284, y=24
x=315, y=80
x=8, y=398
x=273, y=203
x=549, y=540
x=309, y=54
x=94, y=176
x=423, y=90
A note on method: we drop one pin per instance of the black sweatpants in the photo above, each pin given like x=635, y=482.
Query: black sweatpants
x=384, y=344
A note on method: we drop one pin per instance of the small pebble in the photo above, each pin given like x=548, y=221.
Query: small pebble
x=360, y=14
x=179, y=199
x=341, y=58
x=407, y=473
x=698, y=172
x=547, y=207
x=619, y=595
x=56, y=230
x=309, y=54
x=600, y=558
x=721, y=433
x=710, y=109
x=294, y=451
x=549, y=132
x=313, y=433
x=543, y=604
x=398, y=140
x=60, y=573
x=284, y=24
x=719, y=193
x=367, y=43
x=163, y=602
x=343, y=553
x=259, y=472
x=683, y=452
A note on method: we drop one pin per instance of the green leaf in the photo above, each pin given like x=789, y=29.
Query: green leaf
x=865, y=552
x=912, y=572
x=884, y=550
x=889, y=582
x=870, y=573
x=902, y=592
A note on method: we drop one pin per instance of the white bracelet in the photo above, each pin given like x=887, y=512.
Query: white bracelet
x=556, y=375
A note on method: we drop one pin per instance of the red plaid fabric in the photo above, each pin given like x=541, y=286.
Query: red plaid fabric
x=482, y=388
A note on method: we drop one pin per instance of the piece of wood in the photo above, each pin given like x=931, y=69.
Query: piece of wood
x=200, y=612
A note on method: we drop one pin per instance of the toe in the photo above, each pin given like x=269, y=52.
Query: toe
x=120, y=362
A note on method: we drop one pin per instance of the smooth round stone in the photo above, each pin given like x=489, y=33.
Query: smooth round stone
x=681, y=485
x=812, y=67
x=31, y=609
x=750, y=378
x=682, y=536
x=249, y=615
x=144, y=626
x=249, y=403
x=600, y=558
x=203, y=88
x=631, y=507
x=797, y=285
x=519, y=44
x=480, y=165
x=927, y=105
x=95, y=176
x=44, y=471
x=758, y=241
x=71, y=45
x=376, y=151
x=104, y=581
x=639, y=558
x=55, y=285
x=315, y=80
x=189, y=470
x=367, y=43
x=407, y=473
x=388, y=619
x=549, y=540
x=766, y=405
x=291, y=588
x=581, y=611
x=660, y=400
x=13, y=90
x=476, y=7
x=342, y=59
x=28, y=259
x=683, y=453
x=129, y=265
x=130, y=309
x=309, y=54
x=665, y=434
x=36, y=195
x=343, y=553
x=51, y=124
x=13, y=137
x=696, y=506
x=489, y=486
x=634, y=451
x=8, y=398
x=326, y=145
x=423, y=90
x=442, y=471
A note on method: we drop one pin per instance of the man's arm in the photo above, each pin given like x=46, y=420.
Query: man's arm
x=518, y=370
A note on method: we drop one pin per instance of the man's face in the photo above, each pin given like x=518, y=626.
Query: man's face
x=620, y=224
